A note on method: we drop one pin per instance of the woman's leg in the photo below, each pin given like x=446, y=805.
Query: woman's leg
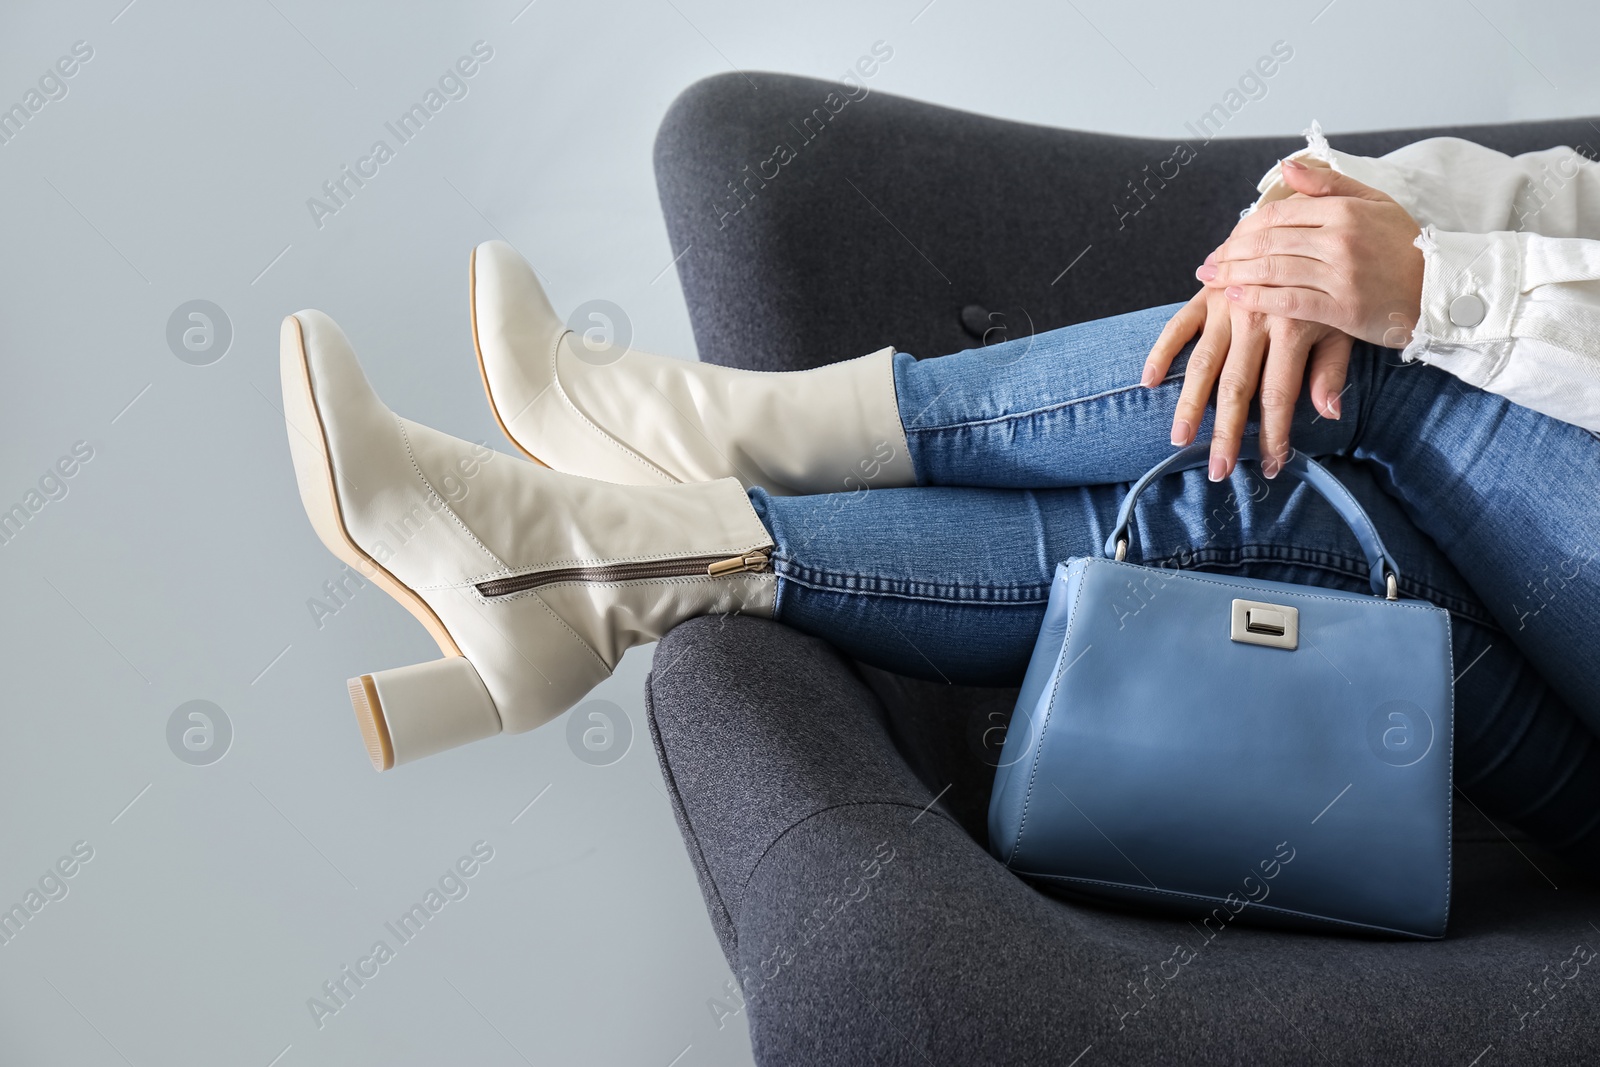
x=951, y=584
x=1508, y=494
x=1062, y=408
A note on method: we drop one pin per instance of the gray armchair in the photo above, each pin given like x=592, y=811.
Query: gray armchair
x=835, y=814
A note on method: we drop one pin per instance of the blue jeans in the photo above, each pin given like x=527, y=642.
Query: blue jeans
x=1023, y=452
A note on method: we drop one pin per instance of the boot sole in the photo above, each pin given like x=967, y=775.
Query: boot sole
x=327, y=519
x=483, y=373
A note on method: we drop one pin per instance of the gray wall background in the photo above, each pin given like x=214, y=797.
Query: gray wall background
x=178, y=565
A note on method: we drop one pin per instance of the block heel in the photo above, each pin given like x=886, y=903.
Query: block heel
x=410, y=712
x=533, y=583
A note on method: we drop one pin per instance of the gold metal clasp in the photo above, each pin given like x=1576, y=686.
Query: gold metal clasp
x=1258, y=623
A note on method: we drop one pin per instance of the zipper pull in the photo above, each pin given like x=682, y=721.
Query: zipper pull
x=750, y=561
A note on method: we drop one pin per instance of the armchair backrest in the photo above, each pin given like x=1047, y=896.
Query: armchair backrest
x=814, y=227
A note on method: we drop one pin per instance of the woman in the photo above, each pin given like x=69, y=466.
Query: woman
x=666, y=489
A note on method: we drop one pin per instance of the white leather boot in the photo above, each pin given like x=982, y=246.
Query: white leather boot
x=579, y=404
x=532, y=582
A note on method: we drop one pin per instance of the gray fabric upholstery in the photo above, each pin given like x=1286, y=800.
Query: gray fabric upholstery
x=784, y=779
x=788, y=766
x=827, y=260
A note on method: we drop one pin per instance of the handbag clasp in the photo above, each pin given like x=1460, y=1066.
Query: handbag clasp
x=1257, y=623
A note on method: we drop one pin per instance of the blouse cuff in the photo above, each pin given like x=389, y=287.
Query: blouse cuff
x=1381, y=174
x=1471, y=291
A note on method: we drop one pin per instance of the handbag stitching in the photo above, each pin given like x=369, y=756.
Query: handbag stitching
x=1038, y=751
x=1450, y=778
x=1353, y=598
x=1338, y=563
x=1223, y=901
x=1038, y=747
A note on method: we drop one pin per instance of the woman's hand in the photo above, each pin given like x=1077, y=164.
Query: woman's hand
x=1340, y=252
x=1241, y=353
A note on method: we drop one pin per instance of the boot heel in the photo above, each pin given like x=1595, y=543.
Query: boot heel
x=411, y=712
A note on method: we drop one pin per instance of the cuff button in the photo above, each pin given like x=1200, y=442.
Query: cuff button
x=1467, y=310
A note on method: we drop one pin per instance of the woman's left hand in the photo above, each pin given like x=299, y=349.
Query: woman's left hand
x=1341, y=253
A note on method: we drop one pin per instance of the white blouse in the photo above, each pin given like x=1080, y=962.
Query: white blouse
x=1511, y=263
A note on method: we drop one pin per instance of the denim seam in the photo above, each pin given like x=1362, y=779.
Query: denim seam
x=866, y=585
x=1031, y=413
x=899, y=423
x=1020, y=595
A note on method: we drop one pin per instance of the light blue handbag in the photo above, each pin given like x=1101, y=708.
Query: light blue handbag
x=1233, y=748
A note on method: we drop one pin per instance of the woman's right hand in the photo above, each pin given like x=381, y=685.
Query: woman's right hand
x=1241, y=354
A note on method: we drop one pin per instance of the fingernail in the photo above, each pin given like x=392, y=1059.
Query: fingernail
x=1148, y=378
x=1182, y=432
x=1211, y=257
x=1234, y=292
x=1293, y=164
x=1333, y=407
x=1269, y=467
x=1219, y=469
x=1206, y=273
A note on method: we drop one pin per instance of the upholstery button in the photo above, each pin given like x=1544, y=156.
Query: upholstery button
x=975, y=320
x=1467, y=310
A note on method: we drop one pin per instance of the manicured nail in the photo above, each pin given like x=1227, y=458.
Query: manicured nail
x=1234, y=292
x=1293, y=164
x=1219, y=469
x=1269, y=467
x=1206, y=273
x=1211, y=257
x=1333, y=408
x=1148, y=378
x=1182, y=432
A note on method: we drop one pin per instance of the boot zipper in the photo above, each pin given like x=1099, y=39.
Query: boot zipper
x=714, y=566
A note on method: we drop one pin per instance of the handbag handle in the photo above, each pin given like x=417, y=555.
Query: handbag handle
x=1385, y=574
